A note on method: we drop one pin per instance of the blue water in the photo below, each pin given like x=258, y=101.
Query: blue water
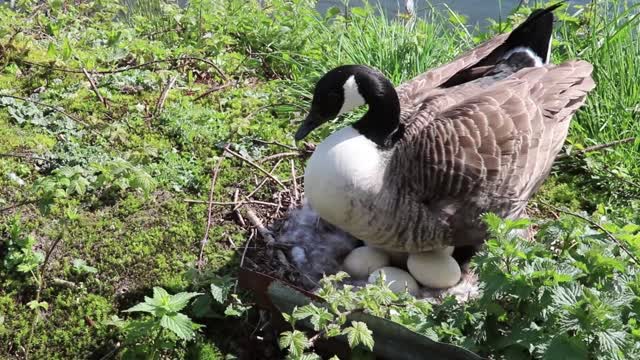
x=476, y=11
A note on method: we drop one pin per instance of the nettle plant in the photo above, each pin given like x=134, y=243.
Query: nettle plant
x=572, y=293
x=162, y=329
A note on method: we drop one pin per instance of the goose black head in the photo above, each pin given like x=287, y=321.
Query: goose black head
x=337, y=92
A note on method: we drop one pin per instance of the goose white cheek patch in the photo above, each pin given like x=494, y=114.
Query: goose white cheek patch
x=536, y=59
x=352, y=97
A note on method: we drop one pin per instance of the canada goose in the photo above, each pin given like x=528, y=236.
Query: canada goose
x=476, y=135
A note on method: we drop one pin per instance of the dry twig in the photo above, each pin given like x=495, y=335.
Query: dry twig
x=600, y=227
x=228, y=203
x=165, y=93
x=272, y=177
x=278, y=156
x=235, y=209
x=596, y=148
x=127, y=68
x=212, y=90
x=264, y=181
x=11, y=207
x=257, y=223
x=94, y=87
x=205, y=239
x=296, y=193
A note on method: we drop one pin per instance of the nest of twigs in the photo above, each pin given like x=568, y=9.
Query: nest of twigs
x=288, y=241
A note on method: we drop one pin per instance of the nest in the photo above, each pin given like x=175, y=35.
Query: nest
x=298, y=247
x=301, y=247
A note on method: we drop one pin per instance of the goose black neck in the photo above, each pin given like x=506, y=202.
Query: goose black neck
x=381, y=123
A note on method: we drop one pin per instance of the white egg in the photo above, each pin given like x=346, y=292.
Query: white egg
x=398, y=280
x=363, y=260
x=446, y=250
x=434, y=269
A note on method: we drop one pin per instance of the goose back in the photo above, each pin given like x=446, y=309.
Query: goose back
x=486, y=152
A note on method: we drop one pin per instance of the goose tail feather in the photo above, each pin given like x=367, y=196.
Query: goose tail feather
x=533, y=36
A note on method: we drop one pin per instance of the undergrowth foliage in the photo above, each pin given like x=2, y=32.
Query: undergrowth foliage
x=112, y=114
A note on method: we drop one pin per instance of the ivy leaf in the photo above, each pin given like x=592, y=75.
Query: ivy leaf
x=179, y=324
x=564, y=347
x=359, y=334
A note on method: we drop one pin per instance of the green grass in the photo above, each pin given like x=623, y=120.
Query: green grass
x=127, y=169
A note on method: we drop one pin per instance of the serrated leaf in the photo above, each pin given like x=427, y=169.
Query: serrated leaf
x=219, y=293
x=160, y=297
x=359, y=334
x=295, y=341
x=564, y=347
x=179, y=324
x=33, y=305
x=179, y=301
x=142, y=307
x=309, y=356
x=81, y=266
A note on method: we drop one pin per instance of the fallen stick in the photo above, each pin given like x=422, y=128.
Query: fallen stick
x=212, y=90
x=600, y=227
x=596, y=148
x=205, y=239
x=94, y=87
x=165, y=93
x=227, y=203
x=264, y=181
x=257, y=223
x=272, y=177
x=296, y=193
x=279, y=156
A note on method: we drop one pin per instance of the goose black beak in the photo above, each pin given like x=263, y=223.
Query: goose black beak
x=311, y=122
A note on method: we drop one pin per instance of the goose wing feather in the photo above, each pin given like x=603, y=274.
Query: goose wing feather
x=413, y=92
x=491, y=150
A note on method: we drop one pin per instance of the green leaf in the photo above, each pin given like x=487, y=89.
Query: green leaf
x=359, y=334
x=564, y=347
x=219, y=293
x=179, y=301
x=143, y=307
x=296, y=341
x=33, y=305
x=67, y=51
x=82, y=267
x=160, y=297
x=179, y=324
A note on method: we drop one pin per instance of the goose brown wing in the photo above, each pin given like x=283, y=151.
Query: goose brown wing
x=413, y=93
x=491, y=151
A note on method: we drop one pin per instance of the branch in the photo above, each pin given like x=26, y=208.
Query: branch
x=257, y=167
x=229, y=203
x=257, y=223
x=165, y=93
x=596, y=148
x=212, y=90
x=127, y=68
x=205, y=239
x=600, y=227
x=94, y=87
